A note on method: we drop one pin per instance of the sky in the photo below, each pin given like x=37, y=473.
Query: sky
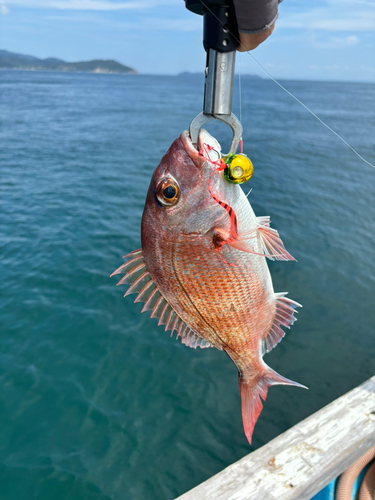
x=313, y=39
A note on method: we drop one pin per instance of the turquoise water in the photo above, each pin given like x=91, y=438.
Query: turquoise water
x=96, y=401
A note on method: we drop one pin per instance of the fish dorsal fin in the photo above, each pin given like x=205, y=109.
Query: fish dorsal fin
x=140, y=281
x=284, y=316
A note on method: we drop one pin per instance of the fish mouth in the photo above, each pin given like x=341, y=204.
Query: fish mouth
x=208, y=147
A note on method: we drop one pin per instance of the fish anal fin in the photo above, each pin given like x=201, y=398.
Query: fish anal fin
x=284, y=315
x=253, y=390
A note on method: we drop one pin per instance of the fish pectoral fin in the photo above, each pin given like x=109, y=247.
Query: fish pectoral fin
x=140, y=281
x=284, y=316
x=271, y=243
x=242, y=245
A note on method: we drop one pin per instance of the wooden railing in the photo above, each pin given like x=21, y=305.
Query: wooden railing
x=303, y=460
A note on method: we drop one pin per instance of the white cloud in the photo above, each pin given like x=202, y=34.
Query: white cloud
x=359, y=22
x=147, y=24
x=329, y=67
x=350, y=3
x=95, y=5
x=337, y=15
x=335, y=42
x=193, y=23
x=3, y=8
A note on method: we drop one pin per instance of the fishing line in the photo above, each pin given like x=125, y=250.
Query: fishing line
x=290, y=94
x=240, y=97
x=239, y=86
x=311, y=112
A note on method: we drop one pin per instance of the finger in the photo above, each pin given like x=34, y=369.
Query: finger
x=251, y=41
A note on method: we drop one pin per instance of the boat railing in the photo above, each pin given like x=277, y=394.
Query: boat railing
x=303, y=460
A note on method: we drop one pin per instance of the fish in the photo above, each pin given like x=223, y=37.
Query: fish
x=202, y=270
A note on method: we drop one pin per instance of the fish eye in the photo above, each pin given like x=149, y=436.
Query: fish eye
x=167, y=192
x=170, y=192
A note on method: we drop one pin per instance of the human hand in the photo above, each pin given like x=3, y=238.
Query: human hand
x=251, y=41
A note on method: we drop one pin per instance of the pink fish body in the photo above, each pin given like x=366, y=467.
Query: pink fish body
x=202, y=270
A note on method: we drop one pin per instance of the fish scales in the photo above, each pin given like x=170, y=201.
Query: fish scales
x=209, y=272
x=224, y=299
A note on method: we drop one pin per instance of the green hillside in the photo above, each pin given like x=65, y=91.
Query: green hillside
x=10, y=60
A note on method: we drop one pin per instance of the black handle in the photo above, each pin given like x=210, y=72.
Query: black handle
x=220, y=31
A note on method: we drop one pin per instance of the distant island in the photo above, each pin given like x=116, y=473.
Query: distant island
x=10, y=60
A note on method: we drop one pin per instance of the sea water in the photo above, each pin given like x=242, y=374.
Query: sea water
x=96, y=401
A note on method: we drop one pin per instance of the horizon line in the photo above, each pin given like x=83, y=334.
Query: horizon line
x=192, y=73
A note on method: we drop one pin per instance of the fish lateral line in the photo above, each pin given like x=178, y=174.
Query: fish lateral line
x=219, y=347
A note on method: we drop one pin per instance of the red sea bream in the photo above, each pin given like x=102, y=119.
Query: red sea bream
x=202, y=269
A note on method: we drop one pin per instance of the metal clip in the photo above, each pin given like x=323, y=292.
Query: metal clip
x=218, y=90
x=230, y=120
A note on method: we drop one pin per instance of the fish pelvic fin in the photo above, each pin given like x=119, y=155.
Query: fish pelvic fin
x=253, y=390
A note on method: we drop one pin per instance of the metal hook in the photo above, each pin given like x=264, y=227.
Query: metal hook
x=231, y=120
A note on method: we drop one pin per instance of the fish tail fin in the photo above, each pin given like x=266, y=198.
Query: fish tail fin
x=253, y=390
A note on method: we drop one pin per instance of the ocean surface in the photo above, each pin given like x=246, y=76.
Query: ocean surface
x=96, y=401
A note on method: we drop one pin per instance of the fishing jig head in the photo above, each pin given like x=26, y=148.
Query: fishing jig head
x=239, y=168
